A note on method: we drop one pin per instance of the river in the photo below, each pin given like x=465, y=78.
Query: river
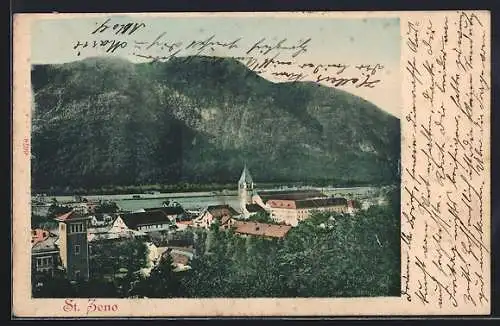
x=197, y=200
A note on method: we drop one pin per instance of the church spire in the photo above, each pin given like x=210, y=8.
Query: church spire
x=246, y=178
x=245, y=190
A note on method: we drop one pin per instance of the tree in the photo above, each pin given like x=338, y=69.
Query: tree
x=51, y=286
x=43, y=222
x=354, y=256
x=262, y=217
x=162, y=282
x=56, y=210
x=119, y=262
x=107, y=207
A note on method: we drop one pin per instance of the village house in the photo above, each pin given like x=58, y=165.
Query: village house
x=288, y=206
x=153, y=257
x=73, y=244
x=222, y=213
x=352, y=207
x=103, y=219
x=117, y=230
x=180, y=257
x=292, y=211
x=44, y=253
x=148, y=221
x=82, y=207
x=265, y=230
x=183, y=225
x=174, y=213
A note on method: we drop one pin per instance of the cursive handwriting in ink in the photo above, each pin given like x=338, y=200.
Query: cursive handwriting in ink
x=446, y=161
x=127, y=28
x=264, y=47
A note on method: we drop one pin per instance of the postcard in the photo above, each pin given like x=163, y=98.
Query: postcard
x=251, y=164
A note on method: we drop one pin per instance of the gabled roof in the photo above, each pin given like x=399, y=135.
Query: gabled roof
x=262, y=229
x=71, y=215
x=102, y=216
x=218, y=211
x=38, y=235
x=170, y=210
x=42, y=241
x=133, y=220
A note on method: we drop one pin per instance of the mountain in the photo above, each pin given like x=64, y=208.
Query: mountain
x=109, y=122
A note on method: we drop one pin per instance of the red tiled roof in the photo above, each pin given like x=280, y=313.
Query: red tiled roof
x=65, y=216
x=42, y=241
x=38, y=235
x=262, y=229
x=282, y=203
x=219, y=211
x=71, y=215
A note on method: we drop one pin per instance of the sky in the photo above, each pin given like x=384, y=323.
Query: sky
x=347, y=42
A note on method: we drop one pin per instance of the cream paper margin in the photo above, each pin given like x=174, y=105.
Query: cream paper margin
x=24, y=306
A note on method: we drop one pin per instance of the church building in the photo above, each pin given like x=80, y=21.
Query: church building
x=245, y=191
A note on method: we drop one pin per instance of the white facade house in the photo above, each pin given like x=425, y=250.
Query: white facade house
x=148, y=221
x=117, y=230
x=221, y=213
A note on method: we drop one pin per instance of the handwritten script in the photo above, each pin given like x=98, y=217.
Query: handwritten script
x=445, y=240
x=281, y=59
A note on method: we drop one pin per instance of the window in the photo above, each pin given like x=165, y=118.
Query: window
x=76, y=228
x=44, y=264
x=77, y=249
x=44, y=261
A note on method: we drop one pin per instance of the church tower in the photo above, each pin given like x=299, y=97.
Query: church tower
x=245, y=190
x=73, y=245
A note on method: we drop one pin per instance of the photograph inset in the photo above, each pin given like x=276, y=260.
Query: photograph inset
x=207, y=161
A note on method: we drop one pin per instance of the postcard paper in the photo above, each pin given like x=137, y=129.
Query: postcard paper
x=251, y=164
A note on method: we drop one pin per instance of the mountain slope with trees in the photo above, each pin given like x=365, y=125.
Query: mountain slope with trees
x=108, y=122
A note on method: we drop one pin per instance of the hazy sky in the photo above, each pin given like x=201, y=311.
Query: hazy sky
x=340, y=41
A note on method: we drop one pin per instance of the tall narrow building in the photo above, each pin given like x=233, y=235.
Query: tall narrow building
x=245, y=190
x=73, y=245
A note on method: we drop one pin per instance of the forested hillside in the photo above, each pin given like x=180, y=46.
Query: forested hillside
x=108, y=122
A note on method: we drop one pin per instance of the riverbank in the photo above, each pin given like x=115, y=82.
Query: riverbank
x=348, y=192
x=185, y=188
